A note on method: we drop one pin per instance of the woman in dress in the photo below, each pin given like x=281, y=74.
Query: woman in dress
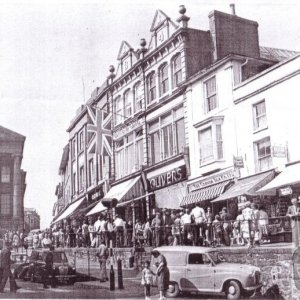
x=162, y=273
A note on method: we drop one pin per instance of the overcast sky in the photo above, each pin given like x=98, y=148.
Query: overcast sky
x=49, y=48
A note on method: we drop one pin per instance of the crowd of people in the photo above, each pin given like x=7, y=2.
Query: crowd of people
x=196, y=226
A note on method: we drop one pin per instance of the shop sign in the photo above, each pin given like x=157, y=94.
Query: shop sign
x=95, y=194
x=211, y=180
x=134, y=124
x=285, y=191
x=168, y=178
x=279, y=151
x=238, y=162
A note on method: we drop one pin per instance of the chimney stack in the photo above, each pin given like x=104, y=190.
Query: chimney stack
x=232, y=7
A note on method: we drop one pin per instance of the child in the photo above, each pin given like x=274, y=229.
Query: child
x=147, y=279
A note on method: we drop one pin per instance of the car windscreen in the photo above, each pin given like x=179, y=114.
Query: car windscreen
x=58, y=257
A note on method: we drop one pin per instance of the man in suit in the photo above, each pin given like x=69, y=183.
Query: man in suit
x=292, y=212
x=166, y=223
x=49, y=269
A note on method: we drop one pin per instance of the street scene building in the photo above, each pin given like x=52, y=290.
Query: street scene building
x=12, y=184
x=32, y=220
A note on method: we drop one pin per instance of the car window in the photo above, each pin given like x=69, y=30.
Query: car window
x=198, y=259
x=175, y=258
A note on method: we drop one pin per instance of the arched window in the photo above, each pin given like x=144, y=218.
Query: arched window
x=163, y=79
x=119, y=110
x=176, y=70
x=151, y=87
x=127, y=104
x=138, y=97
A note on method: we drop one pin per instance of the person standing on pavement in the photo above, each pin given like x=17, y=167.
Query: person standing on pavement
x=6, y=272
x=156, y=225
x=186, y=221
x=292, y=212
x=198, y=214
x=102, y=255
x=49, y=271
x=147, y=279
x=119, y=228
x=85, y=234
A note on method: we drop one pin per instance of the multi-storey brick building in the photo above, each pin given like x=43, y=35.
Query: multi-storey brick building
x=32, y=220
x=12, y=181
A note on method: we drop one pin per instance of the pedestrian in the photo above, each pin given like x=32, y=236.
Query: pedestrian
x=166, y=223
x=226, y=219
x=208, y=231
x=139, y=233
x=92, y=240
x=162, y=273
x=16, y=241
x=254, y=227
x=199, y=217
x=46, y=242
x=49, y=272
x=148, y=233
x=103, y=255
x=217, y=230
x=292, y=212
x=186, y=221
x=85, y=233
x=35, y=240
x=6, y=272
x=263, y=223
x=119, y=229
x=156, y=228
x=246, y=225
x=110, y=232
x=176, y=231
x=147, y=279
x=129, y=231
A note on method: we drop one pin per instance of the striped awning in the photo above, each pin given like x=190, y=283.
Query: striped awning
x=207, y=193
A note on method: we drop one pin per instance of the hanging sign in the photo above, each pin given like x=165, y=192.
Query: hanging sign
x=238, y=162
x=285, y=191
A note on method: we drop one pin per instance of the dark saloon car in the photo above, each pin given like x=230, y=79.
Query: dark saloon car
x=34, y=266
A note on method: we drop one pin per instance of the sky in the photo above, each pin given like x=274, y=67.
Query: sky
x=53, y=54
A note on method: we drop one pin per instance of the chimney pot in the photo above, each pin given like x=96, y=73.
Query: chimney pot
x=232, y=7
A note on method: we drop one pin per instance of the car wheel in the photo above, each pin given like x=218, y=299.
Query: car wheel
x=233, y=290
x=173, y=290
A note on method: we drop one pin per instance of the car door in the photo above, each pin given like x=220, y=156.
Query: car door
x=199, y=273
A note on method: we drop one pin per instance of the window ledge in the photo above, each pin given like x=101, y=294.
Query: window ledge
x=212, y=162
x=260, y=129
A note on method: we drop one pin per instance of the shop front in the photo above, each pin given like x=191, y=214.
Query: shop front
x=206, y=188
x=168, y=184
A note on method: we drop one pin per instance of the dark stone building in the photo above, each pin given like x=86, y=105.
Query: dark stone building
x=12, y=181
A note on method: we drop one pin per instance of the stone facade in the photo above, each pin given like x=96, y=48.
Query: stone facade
x=12, y=181
x=31, y=219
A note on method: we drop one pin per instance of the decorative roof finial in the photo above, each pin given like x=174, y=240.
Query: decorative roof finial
x=111, y=76
x=183, y=19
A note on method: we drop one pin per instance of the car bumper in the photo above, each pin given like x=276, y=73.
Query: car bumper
x=252, y=288
x=65, y=277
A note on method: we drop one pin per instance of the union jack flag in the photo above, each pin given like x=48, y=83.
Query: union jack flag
x=100, y=128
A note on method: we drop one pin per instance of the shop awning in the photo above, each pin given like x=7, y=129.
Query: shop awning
x=289, y=176
x=247, y=186
x=127, y=189
x=206, y=193
x=69, y=210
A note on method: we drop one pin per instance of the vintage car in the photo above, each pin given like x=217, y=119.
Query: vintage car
x=204, y=270
x=34, y=266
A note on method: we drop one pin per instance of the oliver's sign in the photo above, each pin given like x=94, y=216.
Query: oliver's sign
x=168, y=178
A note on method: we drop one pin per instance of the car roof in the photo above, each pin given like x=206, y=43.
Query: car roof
x=187, y=249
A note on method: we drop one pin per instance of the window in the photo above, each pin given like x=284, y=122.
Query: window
x=210, y=91
x=127, y=104
x=119, y=110
x=73, y=148
x=198, y=259
x=177, y=70
x=5, y=205
x=163, y=80
x=166, y=136
x=151, y=87
x=81, y=178
x=80, y=141
x=211, y=142
x=129, y=154
x=5, y=174
x=264, y=158
x=259, y=115
x=138, y=97
x=74, y=179
x=91, y=172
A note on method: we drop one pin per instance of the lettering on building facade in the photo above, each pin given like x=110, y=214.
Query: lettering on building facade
x=211, y=180
x=95, y=194
x=168, y=178
x=134, y=124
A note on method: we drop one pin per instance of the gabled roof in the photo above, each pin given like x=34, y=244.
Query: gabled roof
x=276, y=54
x=159, y=19
x=7, y=134
x=124, y=49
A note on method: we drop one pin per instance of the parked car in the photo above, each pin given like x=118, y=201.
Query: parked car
x=204, y=270
x=34, y=266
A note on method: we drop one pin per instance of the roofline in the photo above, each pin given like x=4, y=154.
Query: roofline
x=14, y=133
x=77, y=119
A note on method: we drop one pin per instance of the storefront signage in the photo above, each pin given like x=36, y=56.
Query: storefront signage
x=285, y=191
x=134, y=124
x=168, y=178
x=211, y=180
x=238, y=162
x=279, y=151
x=95, y=194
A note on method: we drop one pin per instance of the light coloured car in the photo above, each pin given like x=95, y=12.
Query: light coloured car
x=204, y=270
